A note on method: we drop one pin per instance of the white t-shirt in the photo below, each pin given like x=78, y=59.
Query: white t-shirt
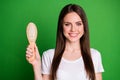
x=71, y=70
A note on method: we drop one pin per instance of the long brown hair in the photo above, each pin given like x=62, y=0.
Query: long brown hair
x=84, y=42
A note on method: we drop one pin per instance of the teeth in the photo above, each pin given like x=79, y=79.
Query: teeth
x=73, y=34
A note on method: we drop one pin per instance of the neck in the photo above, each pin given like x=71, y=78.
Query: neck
x=72, y=46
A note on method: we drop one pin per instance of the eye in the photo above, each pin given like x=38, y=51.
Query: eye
x=79, y=23
x=67, y=24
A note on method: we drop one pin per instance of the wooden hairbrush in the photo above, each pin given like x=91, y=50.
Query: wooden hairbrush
x=31, y=32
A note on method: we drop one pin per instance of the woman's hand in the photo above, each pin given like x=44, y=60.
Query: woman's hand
x=32, y=55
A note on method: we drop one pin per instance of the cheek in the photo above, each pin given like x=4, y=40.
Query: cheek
x=81, y=30
x=65, y=29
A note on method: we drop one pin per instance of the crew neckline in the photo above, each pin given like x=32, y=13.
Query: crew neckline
x=72, y=61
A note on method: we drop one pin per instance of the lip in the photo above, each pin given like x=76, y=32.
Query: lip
x=73, y=34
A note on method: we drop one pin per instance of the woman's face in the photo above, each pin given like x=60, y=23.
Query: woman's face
x=73, y=28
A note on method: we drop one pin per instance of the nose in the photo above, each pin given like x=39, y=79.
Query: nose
x=73, y=28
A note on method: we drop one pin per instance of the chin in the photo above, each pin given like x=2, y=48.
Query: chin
x=73, y=40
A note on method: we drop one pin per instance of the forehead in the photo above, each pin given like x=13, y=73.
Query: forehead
x=72, y=17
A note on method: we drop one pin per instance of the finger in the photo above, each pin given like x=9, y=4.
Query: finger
x=35, y=48
x=29, y=50
x=28, y=56
x=29, y=53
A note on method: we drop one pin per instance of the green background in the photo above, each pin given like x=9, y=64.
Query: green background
x=104, y=25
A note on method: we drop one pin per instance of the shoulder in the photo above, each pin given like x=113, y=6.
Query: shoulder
x=95, y=53
x=48, y=54
x=96, y=56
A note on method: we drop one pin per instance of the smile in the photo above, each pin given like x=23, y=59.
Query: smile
x=73, y=34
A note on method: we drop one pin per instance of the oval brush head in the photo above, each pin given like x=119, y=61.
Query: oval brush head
x=31, y=32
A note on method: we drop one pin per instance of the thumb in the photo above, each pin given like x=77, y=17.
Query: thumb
x=36, y=50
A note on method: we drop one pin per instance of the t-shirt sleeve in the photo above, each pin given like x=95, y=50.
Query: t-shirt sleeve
x=97, y=61
x=47, y=61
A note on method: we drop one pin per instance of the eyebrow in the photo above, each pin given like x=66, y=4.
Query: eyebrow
x=79, y=21
x=70, y=22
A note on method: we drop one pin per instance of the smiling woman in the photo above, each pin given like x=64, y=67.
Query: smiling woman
x=72, y=58
x=104, y=26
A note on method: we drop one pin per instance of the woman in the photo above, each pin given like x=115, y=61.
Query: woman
x=72, y=58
